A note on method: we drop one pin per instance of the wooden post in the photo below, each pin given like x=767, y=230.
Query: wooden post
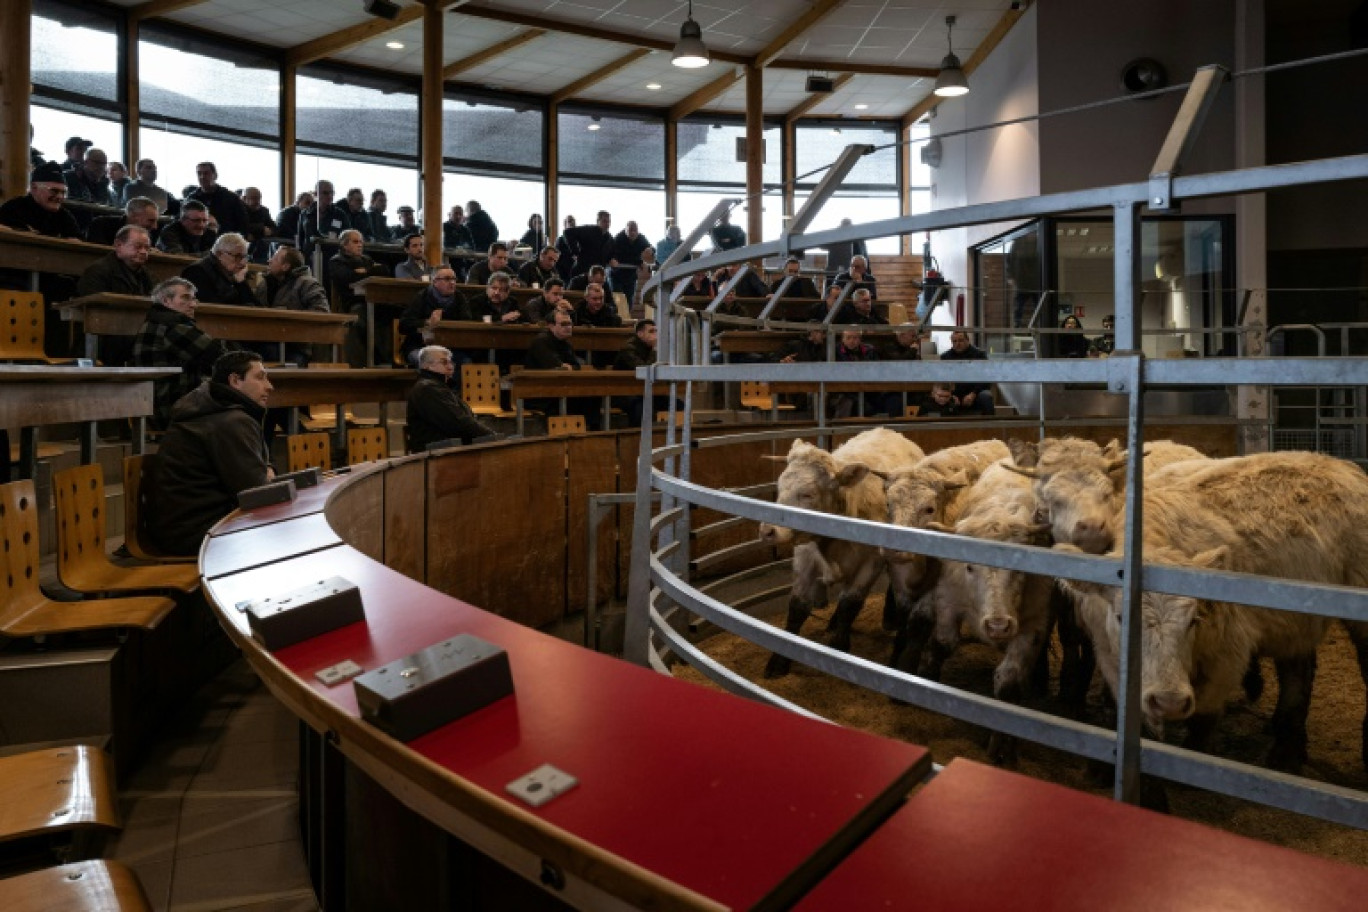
x=755, y=153
x=552, y=171
x=671, y=172
x=905, y=185
x=789, y=172
x=431, y=131
x=15, y=86
x=289, y=104
x=132, y=149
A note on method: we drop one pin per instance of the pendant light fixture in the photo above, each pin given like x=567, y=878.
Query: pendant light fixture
x=690, y=52
x=951, y=81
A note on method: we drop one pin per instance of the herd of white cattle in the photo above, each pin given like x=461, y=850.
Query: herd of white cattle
x=1293, y=515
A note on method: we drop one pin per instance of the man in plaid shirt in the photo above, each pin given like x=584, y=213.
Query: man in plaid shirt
x=170, y=338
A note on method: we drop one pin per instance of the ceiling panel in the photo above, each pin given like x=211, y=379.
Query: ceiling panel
x=273, y=22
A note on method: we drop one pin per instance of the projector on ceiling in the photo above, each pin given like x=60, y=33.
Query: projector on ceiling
x=382, y=8
x=821, y=84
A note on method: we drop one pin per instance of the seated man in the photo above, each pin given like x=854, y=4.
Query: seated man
x=222, y=276
x=750, y=285
x=552, y=298
x=287, y=219
x=122, y=271
x=858, y=275
x=146, y=186
x=358, y=218
x=89, y=183
x=223, y=204
x=595, y=276
x=801, y=286
x=290, y=284
x=213, y=450
x=596, y=311
x=941, y=402
x=455, y=233
x=851, y=347
x=260, y=226
x=700, y=285
x=551, y=350
x=139, y=211
x=170, y=338
x=41, y=210
x=811, y=347
x=407, y=224
x=191, y=234
x=725, y=235
x=380, y=231
x=435, y=410
x=975, y=396
x=541, y=270
x=322, y=219
x=497, y=262
x=640, y=351
x=349, y=266
x=439, y=301
x=415, y=264
x=118, y=180
x=497, y=304
x=859, y=310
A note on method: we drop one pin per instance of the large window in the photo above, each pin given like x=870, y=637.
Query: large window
x=75, y=56
x=52, y=128
x=239, y=165
x=611, y=150
x=645, y=207
x=482, y=135
x=712, y=167
x=870, y=190
x=347, y=114
x=190, y=84
x=509, y=202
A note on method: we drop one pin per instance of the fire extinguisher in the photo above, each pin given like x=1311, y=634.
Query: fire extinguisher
x=959, y=309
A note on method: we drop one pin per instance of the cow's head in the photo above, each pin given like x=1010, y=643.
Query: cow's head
x=1079, y=487
x=916, y=498
x=812, y=480
x=998, y=590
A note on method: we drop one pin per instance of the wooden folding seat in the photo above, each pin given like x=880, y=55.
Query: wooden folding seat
x=24, y=610
x=367, y=445
x=897, y=314
x=309, y=451
x=480, y=389
x=22, y=318
x=82, y=563
x=58, y=800
x=139, y=479
x=86, y=886
x=323, y=417
x=565, y=425
x=757, y=395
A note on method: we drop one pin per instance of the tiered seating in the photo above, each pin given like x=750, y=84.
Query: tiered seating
x=139, y=483
x=23, y=315
x=480, y=389
x=56, y=804
x=309, y=451
x=565, y=425
x=88, y=886
x=367, y=445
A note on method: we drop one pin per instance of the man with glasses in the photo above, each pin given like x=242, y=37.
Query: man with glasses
x=439, y=301
x=146, y=185
x=191, y=234
x=89, y=183
x=170, y=338
x=41, y=211
x=222, y=277
x=322, y=219
x=435, y=409
x=223, y=204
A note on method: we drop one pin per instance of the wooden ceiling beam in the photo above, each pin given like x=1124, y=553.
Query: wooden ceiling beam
x=452, y=70
x=816, y=98
x=851, y=66
x=816, y=13
x=986, y=47
x=154, y=8
x=698, y=99
x=584, y=31
x=327, y=45
x=602, y=73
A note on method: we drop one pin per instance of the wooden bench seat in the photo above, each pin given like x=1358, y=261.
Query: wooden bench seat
x=25, y=611
x=82, y=563
x=139, y=475
x=61, y=794
x=87, y=886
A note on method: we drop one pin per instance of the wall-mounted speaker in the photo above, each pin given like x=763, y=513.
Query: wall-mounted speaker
x=821, y=84
x=931, y=153
x=1144, y=74
x=382, y=8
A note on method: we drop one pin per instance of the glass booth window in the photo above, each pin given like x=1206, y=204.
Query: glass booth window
x=75, y=53
x=339, y=110
x=400, y=184
x=611, y=150
x=239, y=165
x=201, y=87
x=484, y=136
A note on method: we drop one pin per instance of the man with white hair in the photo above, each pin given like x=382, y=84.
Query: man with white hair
x=222, y=276
x=139, y=211
x=435, y=410
x=349, y=266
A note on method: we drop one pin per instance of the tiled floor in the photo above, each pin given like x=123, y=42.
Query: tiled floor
x=210, y=816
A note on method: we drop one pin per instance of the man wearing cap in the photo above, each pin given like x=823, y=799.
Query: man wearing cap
x=407, y=225
x=224, y=205
x=75, y=153
x=41, y=211
x=89, y=183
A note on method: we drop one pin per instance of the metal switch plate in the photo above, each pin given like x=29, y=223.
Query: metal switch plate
x=337, y=674
x=542, y=784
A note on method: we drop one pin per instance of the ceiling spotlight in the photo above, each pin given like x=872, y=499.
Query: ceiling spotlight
x=951, y=81
x=395, y=45
x=653, y=86
x=594, y=125
x=690, y=52
x=862, y=107
x=382, y=8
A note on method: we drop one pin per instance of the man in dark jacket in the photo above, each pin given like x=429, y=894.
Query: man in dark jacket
x=223, y=204
x=290, y=285
x=222, y=277
x=483, y=231
x=139, y=211
x=439, y=301
x=801, y=286
x=260, y=225
x=358, y=217
x=41, y=211
x=640, y=351
x=122, y=271
x=350, y=265
x=592, y=245
x=726, y=236
x=287, y=219
x=628, y=247
x=976, y=396
x=551, y=350
x=380, y=231
x=435, y=411
x=191, y=234
x=89, y=183
x=170, y=338
x=322, y=219
x=213, y=450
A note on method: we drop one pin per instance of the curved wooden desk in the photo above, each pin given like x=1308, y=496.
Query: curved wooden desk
x=687, y=798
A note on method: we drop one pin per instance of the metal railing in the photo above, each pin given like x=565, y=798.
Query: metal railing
x=661, y=574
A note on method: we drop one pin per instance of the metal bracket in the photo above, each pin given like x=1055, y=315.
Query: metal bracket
x=1161, y=192
x=1119, y=370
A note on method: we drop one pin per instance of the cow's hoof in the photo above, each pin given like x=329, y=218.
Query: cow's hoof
x=1287, y=756
x=1153, y=795
x=1253, y=682
x=1002, y=750
x=1098, y=774
x=777, y=666
x=840, y=641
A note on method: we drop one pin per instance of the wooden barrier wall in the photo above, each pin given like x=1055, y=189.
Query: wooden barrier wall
x=505, y=526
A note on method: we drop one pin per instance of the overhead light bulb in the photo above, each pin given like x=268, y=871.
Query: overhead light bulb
x=395, y=45
x=690, y=52
x=951, y=81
